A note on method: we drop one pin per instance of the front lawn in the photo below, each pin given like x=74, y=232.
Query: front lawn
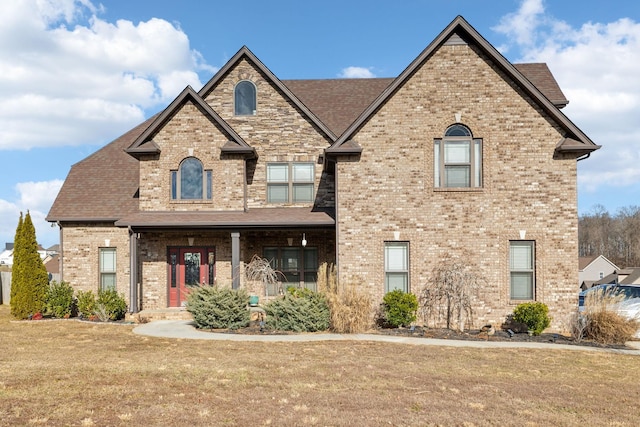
x=71, y=373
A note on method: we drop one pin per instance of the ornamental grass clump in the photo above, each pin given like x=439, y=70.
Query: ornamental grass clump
x=533, y=314
x=350, y=308
x=602, y=322
x=299, y=310
x=219, y=308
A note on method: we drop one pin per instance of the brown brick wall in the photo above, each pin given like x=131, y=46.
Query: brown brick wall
x=390, y=189
x=278, y=132
x=80, y=256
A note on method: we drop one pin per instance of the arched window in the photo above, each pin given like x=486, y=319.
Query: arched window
x=457, y=158
x=245, y=98
x=191, y=181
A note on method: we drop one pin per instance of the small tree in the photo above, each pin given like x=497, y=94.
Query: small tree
x=260, y=269
x=29, y=275
x=450, y=293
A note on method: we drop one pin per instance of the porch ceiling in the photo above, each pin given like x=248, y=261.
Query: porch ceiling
x=253, y=218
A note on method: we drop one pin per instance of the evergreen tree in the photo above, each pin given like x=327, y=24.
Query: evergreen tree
x=32, y=278
x=16, y=279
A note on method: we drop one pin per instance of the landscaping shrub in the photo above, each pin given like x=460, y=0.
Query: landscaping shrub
x=299, y=310
x=60, y=301
x=349, y=308
x=30, y=280
x=602, y=323
x=86, y=301
x=399, y=308
x=218, y=308
x=110, y=305
x=608, y=327
x=533, y=314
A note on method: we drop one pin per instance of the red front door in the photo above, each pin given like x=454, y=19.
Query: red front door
x=188, y=267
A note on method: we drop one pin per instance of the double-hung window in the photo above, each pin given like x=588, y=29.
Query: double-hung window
x=191, y=181
x=522, y=269
x=290, y=182
x=457, y=159
x=396, y=266
x=107, y=268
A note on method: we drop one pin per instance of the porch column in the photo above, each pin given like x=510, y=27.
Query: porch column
x=235, y=260
x=133, y=272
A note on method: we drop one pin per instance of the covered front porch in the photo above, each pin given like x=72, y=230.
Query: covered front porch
x=170, y=252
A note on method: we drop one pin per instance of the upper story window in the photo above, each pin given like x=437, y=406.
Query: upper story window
x=290, y=182
x=457, y=159
x=245, y=98
x=191, y=181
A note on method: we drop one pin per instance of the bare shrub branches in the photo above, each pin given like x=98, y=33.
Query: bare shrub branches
x=449, y=294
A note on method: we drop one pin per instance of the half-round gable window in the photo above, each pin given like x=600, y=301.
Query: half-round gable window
x=457, y=158
x=245, y=98
x=191, y=181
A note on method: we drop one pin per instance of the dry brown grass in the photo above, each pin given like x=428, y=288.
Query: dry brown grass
x=70, y=373
x=350, y=308
x=602, y=323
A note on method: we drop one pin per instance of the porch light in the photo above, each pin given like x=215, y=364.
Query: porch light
x=304, y=240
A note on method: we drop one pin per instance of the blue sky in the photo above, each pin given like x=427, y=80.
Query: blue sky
x=75, y=74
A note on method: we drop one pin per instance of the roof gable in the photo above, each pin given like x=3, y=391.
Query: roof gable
x=459, y=31
x=144, y=143
x=245, y=53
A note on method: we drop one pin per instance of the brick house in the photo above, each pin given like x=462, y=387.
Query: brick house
x=463, y=155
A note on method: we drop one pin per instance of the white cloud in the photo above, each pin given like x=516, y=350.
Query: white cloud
x=356, y=73
x=82, y=79
x=596, y=66
x=36, y=198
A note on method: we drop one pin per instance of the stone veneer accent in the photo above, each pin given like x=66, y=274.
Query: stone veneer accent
x=390, y=187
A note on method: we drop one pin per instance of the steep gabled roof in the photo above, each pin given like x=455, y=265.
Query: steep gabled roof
x=144, y=143
x=103, y=186
x=244, y=52
x=575, y=141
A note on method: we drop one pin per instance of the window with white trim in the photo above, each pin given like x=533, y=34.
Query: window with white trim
x=522, y=269
x=245, y=99
x=290, y=182
x=457, y=159
x=191, y=181
x=396, y=266
x=107, y=268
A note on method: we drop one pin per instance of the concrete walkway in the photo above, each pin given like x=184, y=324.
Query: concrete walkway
x=184, y=329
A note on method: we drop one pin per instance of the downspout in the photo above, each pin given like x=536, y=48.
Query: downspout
x=61, y=256
x=337, y=226
x=244, y=183
x=133, y=271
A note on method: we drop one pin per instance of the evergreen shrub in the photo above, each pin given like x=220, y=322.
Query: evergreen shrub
x=60, y=300
x=533, y=314
x=218, y=308
x=86, y=301
x=299, y=310
x=111, y=304
x=399, y=308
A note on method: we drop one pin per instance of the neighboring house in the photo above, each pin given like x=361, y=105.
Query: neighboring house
x=593, y=269
x=622, y=276
x=463, y=155
x=6, y=256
